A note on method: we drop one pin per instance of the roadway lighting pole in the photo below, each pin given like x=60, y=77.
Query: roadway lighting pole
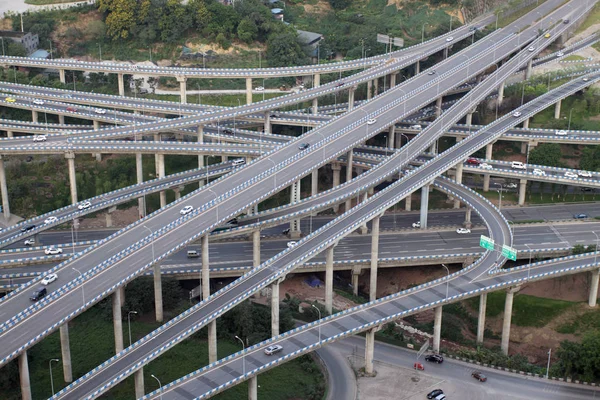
x=548, y=367
x=152, y=241
x=74, y=88
x=129, y=323
x=447, y=280
x=99, y=49
x=82, y=291
x=569, y=126
x=423, y=33
x=319, y=311
x=243, y=355
x=450, y=23
x=500, y=196
x=5, y=54
x=529, y=265
x=159, y=384
x=597, y=242
x=51, y=377
x=73, y=236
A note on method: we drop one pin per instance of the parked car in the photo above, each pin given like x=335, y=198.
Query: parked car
x=38, y=294
x=434, y=393
x=463, y=231
x=517, y=165
x=479, y=376
x=434, y=358
x=49, y=279
x=418, y=366
x=186, y=210
x=39, y=138
x=50, y=220
x=84, y=205
x=539, y=172
x=473, y=161
x=584, y=174
x=51, y=251
x=273, y=349
x=571, y=175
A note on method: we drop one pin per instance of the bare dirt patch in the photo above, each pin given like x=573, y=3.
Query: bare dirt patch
x=64, y=40
x=569, y=288
x=120, y=219
x=320, y=8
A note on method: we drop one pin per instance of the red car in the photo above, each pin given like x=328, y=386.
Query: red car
x=479, y=376
x=473, y=161
x=418, y=366
x=72, y=109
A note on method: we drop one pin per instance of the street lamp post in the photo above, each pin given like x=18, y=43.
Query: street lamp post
x=159, y=384
x=499, y=195
x=548, y=367
x=129, y=323
x=319, y=311
x=447, y=280
x=529, y=265
x=82, y=291
x=243, y=355
x=51, y=377
x=597, y=242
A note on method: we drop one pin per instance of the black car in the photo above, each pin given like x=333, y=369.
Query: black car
x=434, y=358
x=38, y=294
x=27, y=228
x=434, y=393
x=581, y=216
x=273, y=116
x=227, y=132
x=303, y=146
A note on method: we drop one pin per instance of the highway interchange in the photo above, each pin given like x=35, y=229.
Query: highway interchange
x=218, y=202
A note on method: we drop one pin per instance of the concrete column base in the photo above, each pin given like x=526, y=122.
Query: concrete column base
x=158, y=301
x=481, y=320
x=593, y=298
x=117, y=321
x=329, y=280
x=138, y=377
x=24, y=376
x=212, y=342
x=437, y=329
x=253, y=388
x=65, y=350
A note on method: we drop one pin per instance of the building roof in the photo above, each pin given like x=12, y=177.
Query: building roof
x=13, y=34
x=40, y=54
x=276, y=10
x=309, y=38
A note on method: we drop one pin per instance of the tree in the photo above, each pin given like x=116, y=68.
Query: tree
x=121, y=16
x=247, y=31
x=580, y=360
x=15, y=49
x=283, y=50
x=548, y=154
x=590, y=158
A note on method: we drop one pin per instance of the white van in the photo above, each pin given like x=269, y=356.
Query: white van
x=417, y=127
x=192, y=254
x=517, y=165
x=239, y=161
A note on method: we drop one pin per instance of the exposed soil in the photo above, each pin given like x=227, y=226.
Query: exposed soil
x=320, y=7
x=120, y=219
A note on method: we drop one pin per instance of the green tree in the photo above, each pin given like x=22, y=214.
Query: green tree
x=590, y=158
x=15, y=49
x=121, y=16
x=247, y=30
x=548, y=154
x=580, y=360
x=283, y=50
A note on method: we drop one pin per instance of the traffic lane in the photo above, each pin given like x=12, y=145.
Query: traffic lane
x=340, y=376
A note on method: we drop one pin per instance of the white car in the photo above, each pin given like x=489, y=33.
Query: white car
x=510, y=185
x=371, y=121
x=50, y=220
x=38, y=102
x=561, y=133
x=416, y=224
x=291, y=244
x=517, y=165
x=99, y=111
x=449, y=39
x=586, y=79
x=531, y=48
x=259, y=89
x=485, y=166
x=49, y=279
x=84, y=205
x=53, y=250
x=463, y=230
x=273, y=349
x=571, y=175
x=39, y=138
x=539, y=172
x=517, y=114
x=417, y=127
x=584, y=174
x=560, y=54
x=186, y=210
x=29, y=242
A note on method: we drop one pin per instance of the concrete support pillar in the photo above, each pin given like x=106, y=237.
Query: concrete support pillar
x=501, y=94
x=374, y=258
x=267, y=128
x=349, y=163
x=526, y=124
x=437, y=329
x=316, y=83
x=481, y=320
x=34, y=116
x=24, y=376
x=469, y=120
x=314, y=182
x=529, y=69
x=557, y=109
x=510, y=294
x=182, y=89
x=418, y=67
x=351, y=92
x=256, y=248
x=468, y=212
x=96, y=124
x=158, y=302
x=121, y=84
x=61, y=119
x=486, y=182
x=275, y=308
x=335, y=166
x=375, y=86
x=9, y=134
x=408, y=202
x=524, y=147
x=446, y=51
x=369, y=89
x=248, y=90
x=253, y=388
x=424, y=205
x=356, y=271
x=212, y=342
x=4, y=190
x=65, y=350
x=393, y=76
x=212, y=326
x=458, y=178
x=295, y=197
x=139, y=171
x=177, y=191
x=329, y=279
x=438, y=106
x=72, y=177
x=138, y=377
x=369, y=351
x=522, y=190
x=201, y=156
x=117, y=320
x=593, y=299
x=160, y=172
x=61, y=75
x=391, y=136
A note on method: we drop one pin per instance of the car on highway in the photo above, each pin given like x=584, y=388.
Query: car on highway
x=48, y=279
x=84, y=205
x=449, y=39
x=186, y=210
x=303, y=146
x=479, y=376
x=485, y=166
x=440, y=397
x=10, y=99
x=510, y=185
x=71, y=109
x=50, y=251
x=571, y=175
x=473, y=161
x=99, y=111
x=238, y=161
x=547, y=35
x=587, y=189
x=27, y=228
x=418, y=366
x=586, y=79
x=517, y=114
x=50, y=220
x=560, y=132
x=227, y=132
x=539, y=172
x=434, y=393
x=38, y=294
x=291, y=244
x=531, y=48
x=259, y=88
x=584, y=174
x=434, y=358
x=371, y=121
x=273, y=115
x=463, y=231
x=39, y=138
x=276, y=348
x=560, y=54
x=432, y=72
x=416, y=224
x=340, y=84
x=29, y=242
x=581, y=216
x=38, y=102
x=517, y=165
x=417, y=127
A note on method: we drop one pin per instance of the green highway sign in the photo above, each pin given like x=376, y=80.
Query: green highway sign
x=486, y=242
x=509, y=253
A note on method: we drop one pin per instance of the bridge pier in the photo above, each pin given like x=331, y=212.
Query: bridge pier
x=248, y=90
x=369, y=89
x=117, y=320
x=408, y=202
x=182, y=89
x=438, y=106
x=121, y=84
x=467, y=223
x=529, y=69
x=65, y=350
x=212, y=326
x=458, y=175
x=61, y=119
x=351, y=93
x=526, y=124
x=256, y=248
x=253, y=388
x=201, y=156
x=329, y=279
x=375, y=86
x=522, y=190
x=4, y=190
x=295, y=193
x=275, y=307
x=424, y=205
x=70, y=156
x=356, y=272
x=34, y=116
x=315, y=102
x=557, y=109
x=138, y=377
x=510, y=294
x=593, y=299
x=139, y=171
x=391, y=136
x=374, y=258
x=418, y=67
x=481, y=319
x=501, y=94
x=24, y=376
x=437, y=328
x=336, y=168
x=370, y=350
x=9, y=134
x=469, y=119
x=96, y=124
x=314, y=182
x=349, y=162
x=61, y=76
x=393, y=76
x=267, y=128
x=160, y=173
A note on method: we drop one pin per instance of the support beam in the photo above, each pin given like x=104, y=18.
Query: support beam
x=160, y=172
x=201, y=157
x=139, y=171
x=61, y=76
x=253, y=388
x=4, y=190
x=349, y=165
x=212, y=326
x=65, y=350
x=96, y=124
x=275, y=308
x=294, y=198
x=336, y=168
x=329, y=279
x=121, y=84
x=314, y=182
x=24, y=376
x=593, y=299
x=393, y=76
x=557, y=109
x=267, y=128
x=510, y=294
x=212, y=342
x=158, y=301
x=526, y=124
x=391, y=136
x=315, y=103
x=374, y=259
x=369, y=89
x=408, y=202
x=182, y=89
x=458, y=175
x=9, y=134
x=438, y=107
x=418, y=67
x=72, y=177
x=138, y=377
x=469, y=119
x=351, y=93
x=501, y=94
x=61, y=119
x=467, y=223
x=356, y=272
x=522, y=190
x=375, y=86
x=437, y=329
x=248, y=90
x=34, y=116
x=481, y=320
x=117, y=321
x=424, y=205
x=256, y=248
x=369, y=351
x=529, y=69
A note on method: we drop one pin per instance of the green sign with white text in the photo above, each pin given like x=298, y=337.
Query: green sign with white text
x=486, y=242
x=509, y=253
